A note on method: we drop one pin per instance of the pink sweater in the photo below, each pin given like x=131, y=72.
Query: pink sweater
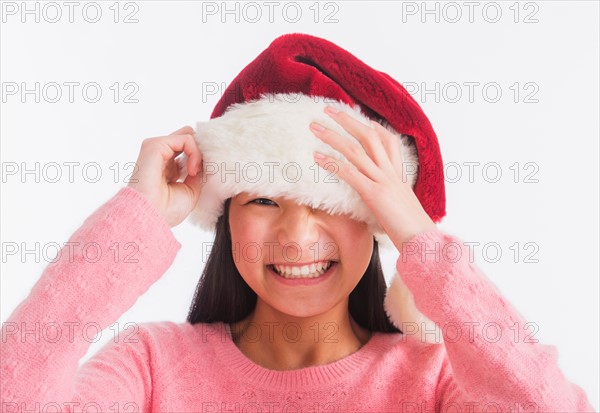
x=169, y=367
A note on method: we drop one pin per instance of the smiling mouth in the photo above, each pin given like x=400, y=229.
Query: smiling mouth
x=305, y=271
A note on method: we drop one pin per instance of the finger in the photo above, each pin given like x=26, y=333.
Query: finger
x=366, y=135
x=193, y=185
x=175, y=170
x=183, y=131
x=171, y=173
x=354, y=152
x=392, y=145
x=186, y=144
x=346, y=172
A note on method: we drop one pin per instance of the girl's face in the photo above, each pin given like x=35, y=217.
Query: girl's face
x=267, y=231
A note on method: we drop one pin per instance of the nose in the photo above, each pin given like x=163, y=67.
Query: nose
x=299, y=227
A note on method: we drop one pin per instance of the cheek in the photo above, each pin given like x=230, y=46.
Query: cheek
x=356, y=243
x=353, y=231
x=248, y=238
x=239, y=226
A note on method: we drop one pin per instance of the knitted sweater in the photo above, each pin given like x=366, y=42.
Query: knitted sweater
x=179, y=367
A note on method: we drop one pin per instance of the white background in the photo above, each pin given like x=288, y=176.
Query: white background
x=175, y=50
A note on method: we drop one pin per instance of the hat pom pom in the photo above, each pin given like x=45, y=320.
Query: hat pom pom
x=399, y=304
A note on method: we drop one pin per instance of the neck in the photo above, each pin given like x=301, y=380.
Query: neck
x=279, y=341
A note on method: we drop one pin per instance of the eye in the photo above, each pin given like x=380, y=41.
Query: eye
x=263, y=201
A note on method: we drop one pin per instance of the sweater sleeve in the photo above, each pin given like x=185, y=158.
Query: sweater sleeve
x=494, y=362
x=115, y=256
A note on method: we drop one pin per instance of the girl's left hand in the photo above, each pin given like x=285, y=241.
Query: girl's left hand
x=376, y=173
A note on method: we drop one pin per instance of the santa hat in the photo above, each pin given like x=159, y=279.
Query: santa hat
x=258, y=141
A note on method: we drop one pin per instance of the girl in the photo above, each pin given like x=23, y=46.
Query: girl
x=268, y=331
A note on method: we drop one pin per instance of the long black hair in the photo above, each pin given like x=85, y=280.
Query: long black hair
x=222, y=295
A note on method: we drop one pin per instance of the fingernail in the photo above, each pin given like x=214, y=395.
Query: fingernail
x=317, y=127
x=318, y=155
x=331, y=111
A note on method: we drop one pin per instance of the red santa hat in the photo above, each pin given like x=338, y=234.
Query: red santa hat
x=258, y=140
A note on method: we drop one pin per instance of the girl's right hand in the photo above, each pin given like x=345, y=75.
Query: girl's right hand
x=157, y=173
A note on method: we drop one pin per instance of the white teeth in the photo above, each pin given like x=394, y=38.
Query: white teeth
x=306, y=271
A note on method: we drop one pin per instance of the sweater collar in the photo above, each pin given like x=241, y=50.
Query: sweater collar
x=328, y=374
